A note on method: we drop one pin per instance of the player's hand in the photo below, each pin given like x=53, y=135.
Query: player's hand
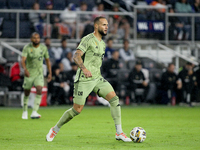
x=26, y=73
x=87, y=73
x=145, y=84
x=49, y=77
x=62, y=85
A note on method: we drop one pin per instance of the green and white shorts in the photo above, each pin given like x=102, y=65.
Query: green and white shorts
x=82, y=89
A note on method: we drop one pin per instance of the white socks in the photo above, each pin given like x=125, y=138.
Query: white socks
x=56, y=129
x=118, y=129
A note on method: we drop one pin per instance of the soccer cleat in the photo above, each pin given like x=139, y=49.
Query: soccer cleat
x=50, y=136
x=35, y=115
x=25, y=115
x=122, y=137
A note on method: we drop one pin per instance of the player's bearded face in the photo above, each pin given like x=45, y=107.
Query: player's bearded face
x=36, y=40
x=102, y=32
x=103, y=27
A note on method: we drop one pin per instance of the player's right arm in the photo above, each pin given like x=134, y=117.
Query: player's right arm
x=79, y=61
x=26, y=73
x=24, y=56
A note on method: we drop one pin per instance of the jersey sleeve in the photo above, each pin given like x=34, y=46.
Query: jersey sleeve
x=46, y=53
x=83, y=46
x=25, y=51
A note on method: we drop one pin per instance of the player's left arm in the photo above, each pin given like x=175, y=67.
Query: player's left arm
x=48, y=63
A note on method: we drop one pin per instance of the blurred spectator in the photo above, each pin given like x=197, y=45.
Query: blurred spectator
x=137, y=81
x=98, y=9
x=172, y=26
x=197, y=72
x=60, y=52
x=126, y=53
x=110, y=69
x=85, y=19
x=68, y=16
x=146, y=74
x=64, y=76
x=67, y=60
x=119, y=24
x=189, y=82
x=16, y=77
x=158, y=4
x=183, y=23
x=169, y=84
x=47, y=42
x=109, y=48
x=54, y=19
x=56, y=87
x=196, y=6
x=196, y=9
x=64, y=47
x=182, y=6
x=70, y=79
x=37, y=19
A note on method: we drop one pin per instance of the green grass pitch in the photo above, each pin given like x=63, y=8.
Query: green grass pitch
x=168, y=128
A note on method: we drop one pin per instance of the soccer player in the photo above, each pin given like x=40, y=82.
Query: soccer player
x=32, y=63
x=88, y=57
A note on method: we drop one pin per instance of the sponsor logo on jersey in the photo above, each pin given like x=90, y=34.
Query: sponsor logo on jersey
x=40, y=58
x=97, y=54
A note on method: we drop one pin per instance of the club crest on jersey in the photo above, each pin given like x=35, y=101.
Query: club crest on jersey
x=80, y=93
x=96, y=45
x=31, y=50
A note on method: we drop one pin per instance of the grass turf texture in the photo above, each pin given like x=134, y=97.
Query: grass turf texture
x=171, y=128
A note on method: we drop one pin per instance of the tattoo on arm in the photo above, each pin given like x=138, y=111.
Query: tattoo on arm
x=78, y=60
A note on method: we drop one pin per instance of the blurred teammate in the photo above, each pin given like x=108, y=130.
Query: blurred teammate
x=88, y=57
x=32, y=63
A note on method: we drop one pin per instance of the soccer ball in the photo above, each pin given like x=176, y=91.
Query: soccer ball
x=138, y=135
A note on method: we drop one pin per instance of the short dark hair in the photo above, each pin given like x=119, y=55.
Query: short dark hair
x=63, y=39
x=125, y=40
x=115, y=51
x=96, y=20
x=34, y=34
x=109, y=39
x=46, y=38
x=170, y=64
x=189, y=63
x=83, y=3
x=138, y=62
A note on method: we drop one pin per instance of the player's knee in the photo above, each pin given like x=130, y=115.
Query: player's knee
x=78, y=108
x=26, y=92
x=38, y=90
x=114, y=101
x=110, y=95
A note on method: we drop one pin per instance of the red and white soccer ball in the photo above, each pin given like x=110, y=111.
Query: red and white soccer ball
x=138, y=135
